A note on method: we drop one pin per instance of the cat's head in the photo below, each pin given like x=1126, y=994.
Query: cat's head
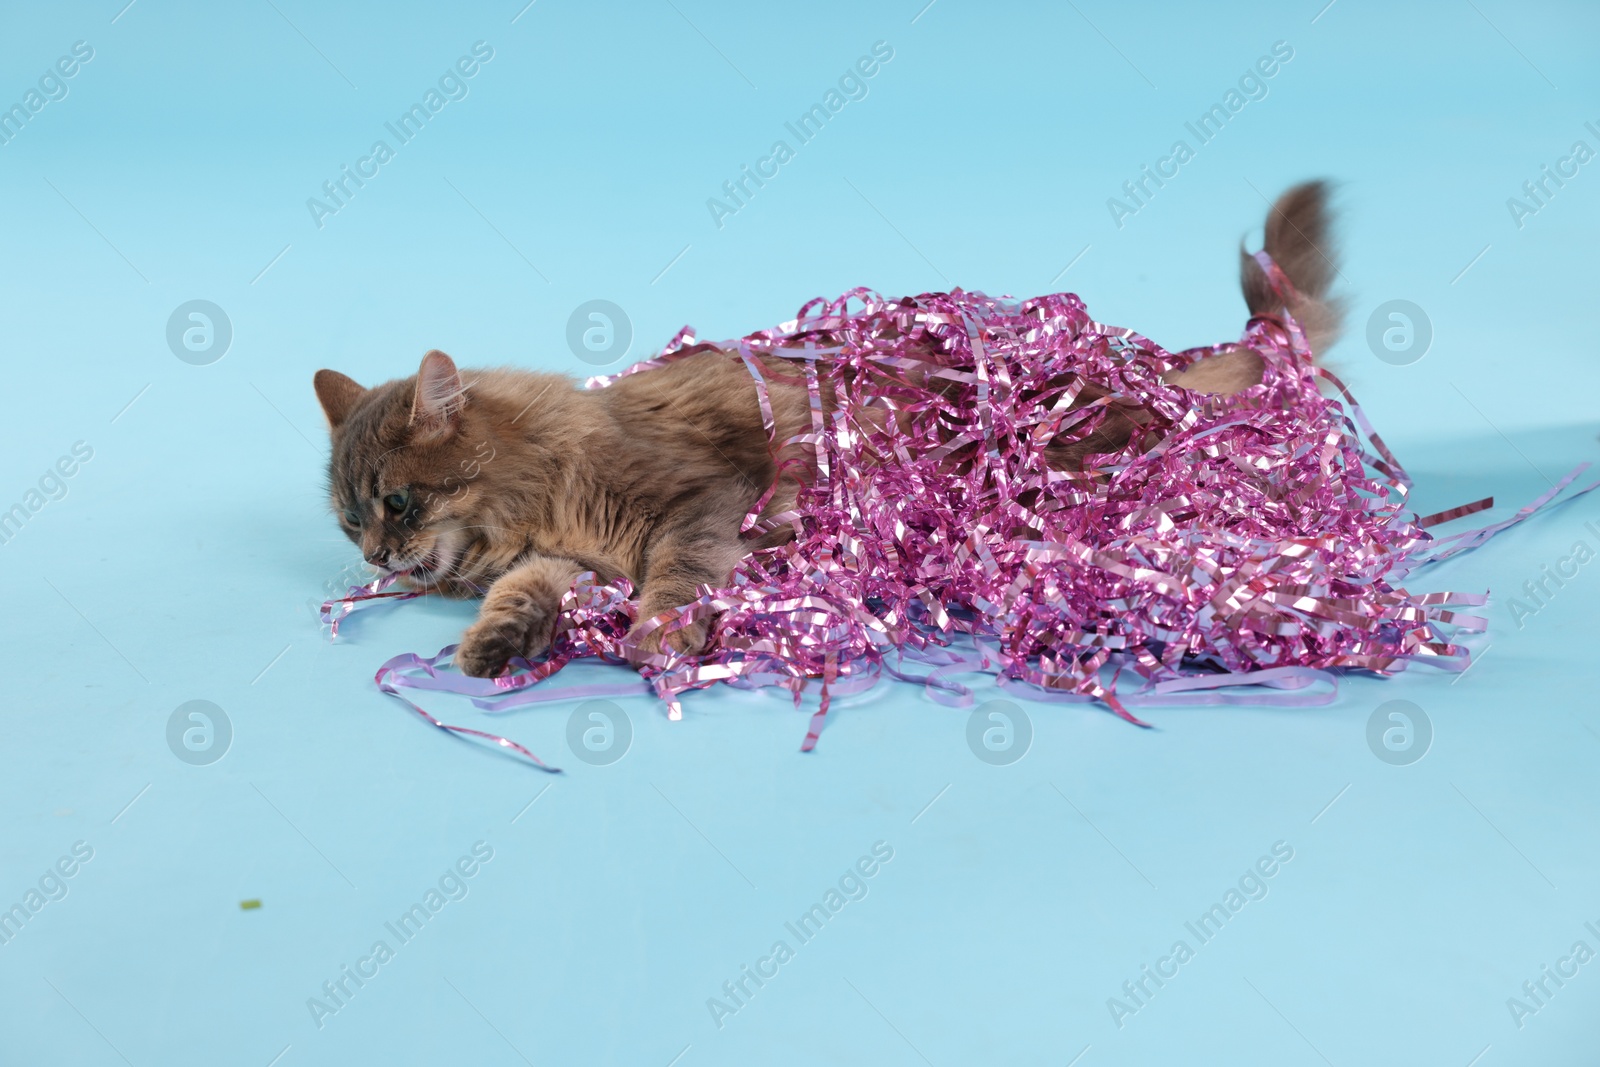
x=399, y=475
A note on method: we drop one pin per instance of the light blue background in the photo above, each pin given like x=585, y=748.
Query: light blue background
x=182, y=560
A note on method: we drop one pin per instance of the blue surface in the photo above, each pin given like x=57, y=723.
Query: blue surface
x=179, y=563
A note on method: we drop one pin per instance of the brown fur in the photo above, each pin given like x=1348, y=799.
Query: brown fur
x=514, y=483
x=519, y=482
x=1299, y=238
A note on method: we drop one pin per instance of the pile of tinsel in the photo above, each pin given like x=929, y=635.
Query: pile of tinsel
x=1237, y=549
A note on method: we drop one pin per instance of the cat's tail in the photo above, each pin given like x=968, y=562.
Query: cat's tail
x=1299, y=265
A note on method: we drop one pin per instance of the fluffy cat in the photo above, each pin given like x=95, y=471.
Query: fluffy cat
x=511, y=483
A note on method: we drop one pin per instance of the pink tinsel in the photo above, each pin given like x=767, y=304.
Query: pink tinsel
x=1246, y=540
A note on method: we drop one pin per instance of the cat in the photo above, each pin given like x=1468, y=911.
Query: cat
x=511, y=483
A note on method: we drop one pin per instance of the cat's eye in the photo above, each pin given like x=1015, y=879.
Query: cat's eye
x=351, y=517
x=398, y=501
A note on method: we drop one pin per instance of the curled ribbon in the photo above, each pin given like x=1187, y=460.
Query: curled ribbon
x=1252, y=542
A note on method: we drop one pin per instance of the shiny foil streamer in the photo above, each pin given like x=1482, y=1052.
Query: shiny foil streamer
x=1237, y=550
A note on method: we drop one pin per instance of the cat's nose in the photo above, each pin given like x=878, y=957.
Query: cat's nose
x=378, y=557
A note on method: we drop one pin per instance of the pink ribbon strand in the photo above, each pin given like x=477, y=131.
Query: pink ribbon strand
x=1242, y=549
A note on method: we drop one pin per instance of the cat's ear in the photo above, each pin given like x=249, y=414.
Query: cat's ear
x=436, y=407
x=338, y=395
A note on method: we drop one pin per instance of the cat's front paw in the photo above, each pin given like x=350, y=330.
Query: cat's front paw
x=491, y=642
x=689, y=640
